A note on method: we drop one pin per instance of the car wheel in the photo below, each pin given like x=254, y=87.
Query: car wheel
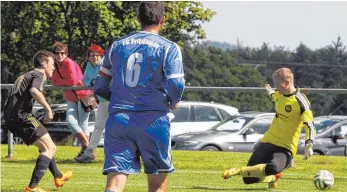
x=18, y=140
x=210, y=148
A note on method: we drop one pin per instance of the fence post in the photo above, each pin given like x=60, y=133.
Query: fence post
x=10, y=145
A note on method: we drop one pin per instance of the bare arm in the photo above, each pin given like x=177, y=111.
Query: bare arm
x=40, y=98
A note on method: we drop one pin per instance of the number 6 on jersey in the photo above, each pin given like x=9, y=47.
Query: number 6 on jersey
x=133, y=70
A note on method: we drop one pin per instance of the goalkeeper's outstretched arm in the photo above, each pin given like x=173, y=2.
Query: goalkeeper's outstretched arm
x=309, y=132
x=271, y=92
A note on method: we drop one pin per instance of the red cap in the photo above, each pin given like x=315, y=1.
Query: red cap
x=95, y=48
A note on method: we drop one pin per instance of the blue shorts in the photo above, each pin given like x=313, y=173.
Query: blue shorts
x=131, y=135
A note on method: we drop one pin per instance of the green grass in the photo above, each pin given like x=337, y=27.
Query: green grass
x=195, y=171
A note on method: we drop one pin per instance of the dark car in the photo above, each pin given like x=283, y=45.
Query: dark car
x=331, y=136
x=57, y=127
x=238, y=134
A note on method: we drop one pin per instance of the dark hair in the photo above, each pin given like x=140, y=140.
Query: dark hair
x=150, y=12
x=39, y=56
x=59, y=46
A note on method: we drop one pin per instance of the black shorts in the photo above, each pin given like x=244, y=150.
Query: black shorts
x=277, y=159
x=30, y=131
x=266, y=152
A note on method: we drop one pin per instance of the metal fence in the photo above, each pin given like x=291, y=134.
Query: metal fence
x=188, y=89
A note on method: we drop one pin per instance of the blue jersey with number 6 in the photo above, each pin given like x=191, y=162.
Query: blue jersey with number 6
x=146, y=71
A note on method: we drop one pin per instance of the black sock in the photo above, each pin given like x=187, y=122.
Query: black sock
x=54, y=169
x=42, y=164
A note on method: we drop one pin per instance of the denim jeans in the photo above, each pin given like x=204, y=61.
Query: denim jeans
x=77, y=118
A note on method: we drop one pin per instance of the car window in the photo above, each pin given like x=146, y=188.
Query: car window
x=59, y=116
x=224, y=114
x=206, y=113
x=322, y=126
x=232, y=125
x=260, y=126
x=340, y=130
x=344, y=129
x=181, y=114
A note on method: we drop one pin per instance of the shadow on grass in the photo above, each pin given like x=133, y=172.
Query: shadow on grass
x=19, y=189
x=296, y=179
x=33, y=161
x=228, y=189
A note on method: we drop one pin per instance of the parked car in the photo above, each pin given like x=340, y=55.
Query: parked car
x=331, y=138
x=58, y=127
x=237, y=134
x=4, y=135
x=193, y=116
x=322, y=122
x=331, y=131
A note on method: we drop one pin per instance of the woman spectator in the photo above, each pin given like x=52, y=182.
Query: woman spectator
x=95, y=57
x=68, y=73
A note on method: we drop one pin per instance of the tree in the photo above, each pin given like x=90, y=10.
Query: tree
x=214, y=67
x=31, y=26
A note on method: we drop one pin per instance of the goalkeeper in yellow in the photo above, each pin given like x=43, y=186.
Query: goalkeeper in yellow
x=279, y=144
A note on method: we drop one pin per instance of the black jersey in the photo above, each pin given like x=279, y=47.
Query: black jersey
x=20, y=102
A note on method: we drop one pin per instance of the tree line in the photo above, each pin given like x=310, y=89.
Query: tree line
x=29, y=26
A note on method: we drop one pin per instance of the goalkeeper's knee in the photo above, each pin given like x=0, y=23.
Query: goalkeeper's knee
x=250, y=180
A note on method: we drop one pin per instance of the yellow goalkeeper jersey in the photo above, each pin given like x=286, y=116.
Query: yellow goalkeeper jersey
x=292, y=112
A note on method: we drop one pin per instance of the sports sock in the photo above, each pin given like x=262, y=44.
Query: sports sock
x=42, y=164
x=54, y=169
x=253, y=171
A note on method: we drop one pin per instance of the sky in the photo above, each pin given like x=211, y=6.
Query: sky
x=281, y=23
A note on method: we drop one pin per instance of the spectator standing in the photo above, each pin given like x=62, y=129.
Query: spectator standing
x=95, y=58
x=68, y=73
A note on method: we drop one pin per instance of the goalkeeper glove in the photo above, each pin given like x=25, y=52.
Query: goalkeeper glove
x=269, y=89
x=308, y=150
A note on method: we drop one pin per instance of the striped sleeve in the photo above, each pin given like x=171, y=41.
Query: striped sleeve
x=106, y=67
x=173, y=69
x=306, y=116
x=173, y=66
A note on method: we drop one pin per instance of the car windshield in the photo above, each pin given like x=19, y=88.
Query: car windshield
x=232, y=124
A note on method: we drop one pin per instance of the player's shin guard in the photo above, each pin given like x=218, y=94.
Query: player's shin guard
x=54, y=169
x=42, y=164
x=253, y=171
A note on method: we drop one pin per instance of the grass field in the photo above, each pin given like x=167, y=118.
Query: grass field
x=195, y=171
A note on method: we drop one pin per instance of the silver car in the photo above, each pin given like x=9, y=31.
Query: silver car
x=193, y=116
x=236, y=134
x=330, y=138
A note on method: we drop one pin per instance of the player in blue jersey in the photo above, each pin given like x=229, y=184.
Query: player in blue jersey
x=147, y=81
